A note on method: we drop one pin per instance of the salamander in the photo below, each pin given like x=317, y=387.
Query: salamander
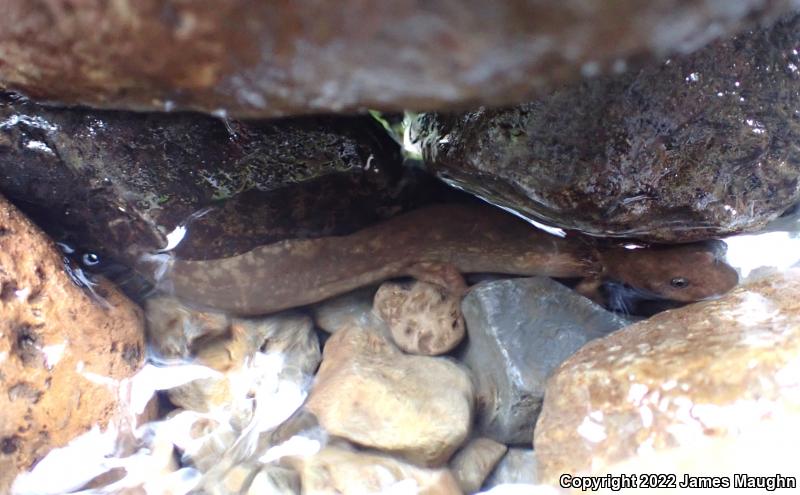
x=438, y=244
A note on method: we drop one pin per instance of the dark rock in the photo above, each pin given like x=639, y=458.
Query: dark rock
x=519, y=331
x=119, y=182
x=270, y=58
x=696, y=147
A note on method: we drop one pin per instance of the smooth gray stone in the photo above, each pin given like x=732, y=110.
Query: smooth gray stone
x=519, y=331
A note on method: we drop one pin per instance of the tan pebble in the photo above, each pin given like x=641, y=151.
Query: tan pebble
x=423, y=318
x=475, y=461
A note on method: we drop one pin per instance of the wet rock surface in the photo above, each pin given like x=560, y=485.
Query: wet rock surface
x=274, y=479
x=267, y=60
x=370, y=393
x=473, y=463
x=250, y=405
x=423, y=318
x=337, y=312
x=715, y=370
x=120, y=182
x=63, y=348
x=519, y=331
x=698, y=146
x=339, y=469
x=247, y=353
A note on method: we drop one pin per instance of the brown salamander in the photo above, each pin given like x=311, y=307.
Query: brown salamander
x=437, y=244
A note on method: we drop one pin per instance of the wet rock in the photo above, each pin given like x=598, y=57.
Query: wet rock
x=337, y=469
x=202, y=441
x=517, y=466
x=712, y=370
x=290, y=335
x=172, y=327
x=222, y=342
x=423, y=318
x=692, y=148
x=520, y=330
x=762, y=450
x=275, y=479
x=236, y=480
x=203, y=395
x=369, y=392
x=119, y=183
x=336, y=312
x=252, y=354
x=251, y=479
x=473, y=463
x=253, y=60
x=63, y=347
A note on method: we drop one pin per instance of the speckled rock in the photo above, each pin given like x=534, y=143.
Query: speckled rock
x=692, y=148
x=520, y=330
x=63, y=347
x=341, y=470
x=267, y=59
x=370, y=393
x=516, y=467
x=423, y=318
x=762, y=450
x=119, y=183
x=711, y=370
x=473, y=463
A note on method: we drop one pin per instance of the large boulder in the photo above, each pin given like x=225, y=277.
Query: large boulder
x=260, y=59
x=64, y=347
x=124, y=183
x=696, y=377
x=695, y=147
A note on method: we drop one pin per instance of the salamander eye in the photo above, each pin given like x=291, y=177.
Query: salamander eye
x=90, y=259
x=679, y=283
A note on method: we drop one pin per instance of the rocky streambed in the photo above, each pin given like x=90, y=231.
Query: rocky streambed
x=193, y=303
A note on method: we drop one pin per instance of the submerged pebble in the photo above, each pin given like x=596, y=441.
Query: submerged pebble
x=473, y=463
x=370, y=393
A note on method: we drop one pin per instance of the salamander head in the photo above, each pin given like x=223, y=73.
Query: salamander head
x=684, y=273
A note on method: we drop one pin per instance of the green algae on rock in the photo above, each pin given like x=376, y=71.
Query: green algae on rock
x=120, y=182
